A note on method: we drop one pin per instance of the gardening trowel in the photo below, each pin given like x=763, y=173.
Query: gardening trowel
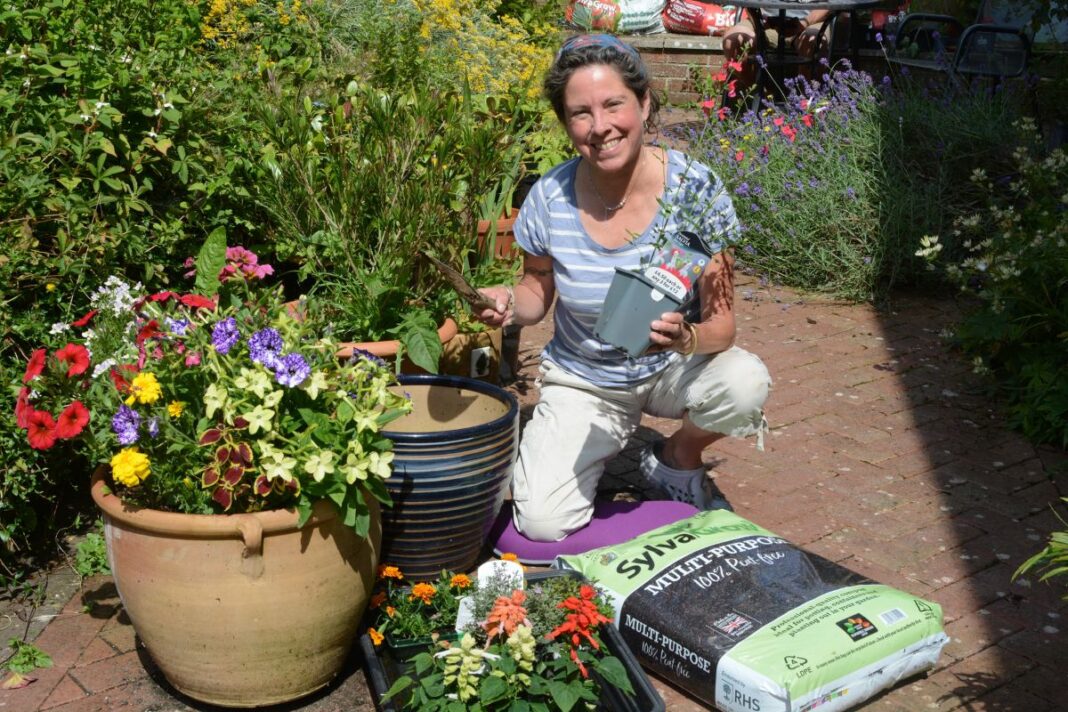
x=477, y=300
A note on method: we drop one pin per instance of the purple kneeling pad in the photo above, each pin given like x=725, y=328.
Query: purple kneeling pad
x=612, y=523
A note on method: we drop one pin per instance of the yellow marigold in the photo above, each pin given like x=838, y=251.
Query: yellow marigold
x=130, y=466
x=175, y=408
x=460, y=581
x=144, y=389
x=385, y=572
x=376, y=637
x=422, y=591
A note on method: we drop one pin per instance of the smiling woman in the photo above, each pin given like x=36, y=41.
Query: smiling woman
x=611, y=208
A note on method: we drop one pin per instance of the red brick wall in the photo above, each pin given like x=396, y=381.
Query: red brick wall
x=673, y=61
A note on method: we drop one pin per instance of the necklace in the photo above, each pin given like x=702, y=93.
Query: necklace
x=609, y=209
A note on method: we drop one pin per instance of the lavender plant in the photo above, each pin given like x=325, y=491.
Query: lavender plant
x=804, y=176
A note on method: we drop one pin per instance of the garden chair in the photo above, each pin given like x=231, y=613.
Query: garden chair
x=997, y=45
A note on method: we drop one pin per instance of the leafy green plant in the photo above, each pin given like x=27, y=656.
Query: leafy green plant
x=1052, y=561
x=91, y=553
x=363, y=184
x=27, y=657
x=1015, y=263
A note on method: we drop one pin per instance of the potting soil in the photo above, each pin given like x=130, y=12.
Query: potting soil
x=745, y=620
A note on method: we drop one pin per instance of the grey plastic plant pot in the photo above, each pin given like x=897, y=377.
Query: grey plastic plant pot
x=632, y=303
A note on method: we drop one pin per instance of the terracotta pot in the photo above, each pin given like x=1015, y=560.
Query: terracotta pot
x=241, y=610
x=504, y=246
x=388, y=349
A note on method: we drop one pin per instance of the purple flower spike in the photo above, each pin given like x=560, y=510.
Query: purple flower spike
x=225, y=335
x=265, y=346
x=153, y=426
x=291, y=370
x=125, y=424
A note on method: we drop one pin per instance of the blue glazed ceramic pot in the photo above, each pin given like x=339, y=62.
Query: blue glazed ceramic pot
x=453, y=460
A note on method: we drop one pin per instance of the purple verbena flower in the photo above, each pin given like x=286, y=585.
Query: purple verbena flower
x=225, y=335
x=742, y=190
x=265, y=346
x=153, y=426
x=291, y=370
x=125, y=424
x=176, y=326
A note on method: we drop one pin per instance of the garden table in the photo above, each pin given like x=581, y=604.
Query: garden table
x=757, y=8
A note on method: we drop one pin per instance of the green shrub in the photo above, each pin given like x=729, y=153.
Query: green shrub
x=1016, y=264
x=91, y=553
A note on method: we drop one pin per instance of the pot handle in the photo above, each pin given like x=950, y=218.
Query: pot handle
x=252, y=535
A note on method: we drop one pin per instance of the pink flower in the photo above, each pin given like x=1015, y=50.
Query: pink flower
x=738, y=156
x=707, y=106
x=193, y=359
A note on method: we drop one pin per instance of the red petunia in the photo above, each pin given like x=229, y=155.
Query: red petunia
x=148, y=331
x=196, y=301
x=162, y=296
x=72, y=421
x=84, y=320
x=41, y=430
x=121, y=384
x=35, y=365
x=23, y=408
x=76, y=357
x=806, y=119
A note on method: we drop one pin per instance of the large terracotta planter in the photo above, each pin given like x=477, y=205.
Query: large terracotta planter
x=452, y=464
x=504, y=245
x=241, y=610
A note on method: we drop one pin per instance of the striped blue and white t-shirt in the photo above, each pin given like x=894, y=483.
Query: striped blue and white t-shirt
x=549, y=226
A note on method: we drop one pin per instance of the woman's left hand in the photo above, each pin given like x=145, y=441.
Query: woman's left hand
x=669, y=333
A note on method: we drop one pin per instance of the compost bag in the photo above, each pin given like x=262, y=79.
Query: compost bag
x=697, y=17
x=619, y=16
x=744, y=620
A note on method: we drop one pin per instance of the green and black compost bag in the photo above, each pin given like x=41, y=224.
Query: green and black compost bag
x=747, y=621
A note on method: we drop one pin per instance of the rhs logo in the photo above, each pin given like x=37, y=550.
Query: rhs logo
x=857, y=627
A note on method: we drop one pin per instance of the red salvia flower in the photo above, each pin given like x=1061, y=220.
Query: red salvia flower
x=72, y=421
x=34, y=366
x=507, y=614
x=41, y=430
x=581, y=622
x=76, y=357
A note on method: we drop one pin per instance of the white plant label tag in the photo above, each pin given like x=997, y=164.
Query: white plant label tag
x=465, y=614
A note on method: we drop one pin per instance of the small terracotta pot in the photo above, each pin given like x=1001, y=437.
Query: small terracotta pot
x=504, y=246
x=387, y=349
x=241, y=610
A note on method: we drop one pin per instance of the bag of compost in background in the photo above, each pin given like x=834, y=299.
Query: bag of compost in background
x=616, y=16
x=745, y=620
x=696, y=17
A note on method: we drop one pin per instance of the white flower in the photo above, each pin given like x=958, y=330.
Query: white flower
x=103, y=367
x=59, y=327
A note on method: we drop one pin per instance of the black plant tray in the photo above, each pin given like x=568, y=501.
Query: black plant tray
x=383, y=670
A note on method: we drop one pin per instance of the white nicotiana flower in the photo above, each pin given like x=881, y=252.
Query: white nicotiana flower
x=152, y=134
x=103, y=367
x=100, y=105
x=317, y=124
x=126, y=58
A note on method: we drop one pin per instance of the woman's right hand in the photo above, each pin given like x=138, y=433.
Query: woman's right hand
x=505, y=300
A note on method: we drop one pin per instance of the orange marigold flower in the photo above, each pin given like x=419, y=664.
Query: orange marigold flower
x=509, y=556
x=390, y=610
x=378, y=599
x=376, y=637
x=422, y=591
x=385, y=572
x=460, y=581
x=506, y=615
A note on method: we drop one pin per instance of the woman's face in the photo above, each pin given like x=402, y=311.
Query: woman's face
x=603, y=117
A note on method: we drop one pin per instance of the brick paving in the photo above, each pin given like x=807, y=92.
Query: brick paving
x=885, y=456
